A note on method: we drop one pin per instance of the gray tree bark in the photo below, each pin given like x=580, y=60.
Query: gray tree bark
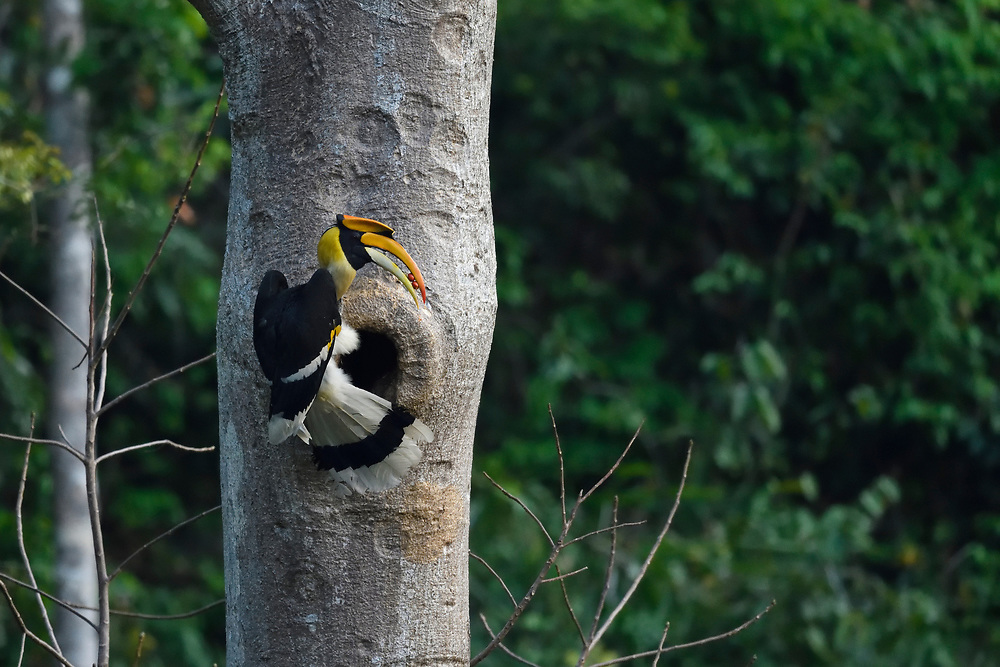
x=376, y=108
x=66, y=115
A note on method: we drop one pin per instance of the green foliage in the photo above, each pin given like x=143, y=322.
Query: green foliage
x=772, y=227
x=768, y=226
x=152, y=76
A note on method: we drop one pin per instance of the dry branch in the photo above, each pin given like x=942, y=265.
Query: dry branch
x=152, y=443
x=43, y=441
x=28, y=633
x=130, y=300
x=58, y=320
x=503, y=647
x=70, y=607
x=159, y=537
x=19, y=525
x=177, y=371
x=699, y=642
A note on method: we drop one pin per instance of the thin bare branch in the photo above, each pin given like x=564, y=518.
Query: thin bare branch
x=47, y=310
x=569, y=607
x=497, y=576
x=607, y=582
x=652, y=552
x=562, y=467
x=19, y=528
x=168, y=617
x=152, y=443
x=506, y=650
x=20, y=656
x=138, y=649
x=523, y=506
x=43, y=441
x=519, y=609
x=159, y=537
x=530, y=594
x=613, y=468
x=105, y=316
x=130, y=300
x=663, y=640
x=31, y=635
x=562, y=507
x=676, y=647
x=606, y=529
x=561, y=577
x=48, y=596
x=177, y=371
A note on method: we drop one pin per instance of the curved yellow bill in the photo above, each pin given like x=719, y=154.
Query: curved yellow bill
x=390, y=245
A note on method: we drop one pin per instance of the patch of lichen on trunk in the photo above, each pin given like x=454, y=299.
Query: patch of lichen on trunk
x=430, y=521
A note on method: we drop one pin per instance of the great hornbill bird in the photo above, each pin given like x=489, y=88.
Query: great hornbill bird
x=364, y=441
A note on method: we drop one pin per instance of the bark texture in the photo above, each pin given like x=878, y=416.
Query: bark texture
x=66, y=115
x=376, y=108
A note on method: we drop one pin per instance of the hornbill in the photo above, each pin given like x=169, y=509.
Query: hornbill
x=364, y=441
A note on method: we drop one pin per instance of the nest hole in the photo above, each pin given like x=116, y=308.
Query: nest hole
x=374, y=366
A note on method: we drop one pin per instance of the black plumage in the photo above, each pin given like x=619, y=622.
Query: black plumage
x=294, y=329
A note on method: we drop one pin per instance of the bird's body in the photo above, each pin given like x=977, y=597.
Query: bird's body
x=365, y=442
x=294, y=331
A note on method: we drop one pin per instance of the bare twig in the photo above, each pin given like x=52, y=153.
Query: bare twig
x=562, y=507
x=168, y=617
x=41, y=305
x=522, y=505
x=557, y=547
x=43, y=441
x=613, y=468
x=607, y=581
x=105, y=317
x=562, y=467
x=31, y=635
x=652, y=552
x=569, y=608
x=138, y=649
x=177, y=371
x=497, y=576
x=606, y=529
x=170, y=226
x=19, y=527
x=152, y=443
x=503, y=648
x=663, y=640
x=561, y=577
x=90, y=479
x=20, y=656
x=71, y=608
x=700, y=642
x=159, y=537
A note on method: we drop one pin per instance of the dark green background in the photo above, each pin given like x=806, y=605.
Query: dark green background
x=770, y=227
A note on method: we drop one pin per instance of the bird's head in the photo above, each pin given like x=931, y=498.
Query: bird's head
x=353, y=242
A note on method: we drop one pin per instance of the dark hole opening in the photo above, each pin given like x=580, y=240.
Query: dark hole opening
x=374, y=365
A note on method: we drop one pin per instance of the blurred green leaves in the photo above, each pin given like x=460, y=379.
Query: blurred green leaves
x=800, y=202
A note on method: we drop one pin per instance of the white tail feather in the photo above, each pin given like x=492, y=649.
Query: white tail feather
x=342, y=414
x=347, y=340
x=382, y=476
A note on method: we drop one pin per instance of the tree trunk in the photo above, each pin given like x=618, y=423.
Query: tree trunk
x=66, y=115
x=380, y=109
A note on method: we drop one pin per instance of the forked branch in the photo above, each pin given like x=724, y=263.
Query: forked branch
x=600, y=624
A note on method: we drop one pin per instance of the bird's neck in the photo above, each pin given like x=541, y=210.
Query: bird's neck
x=343, y=275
